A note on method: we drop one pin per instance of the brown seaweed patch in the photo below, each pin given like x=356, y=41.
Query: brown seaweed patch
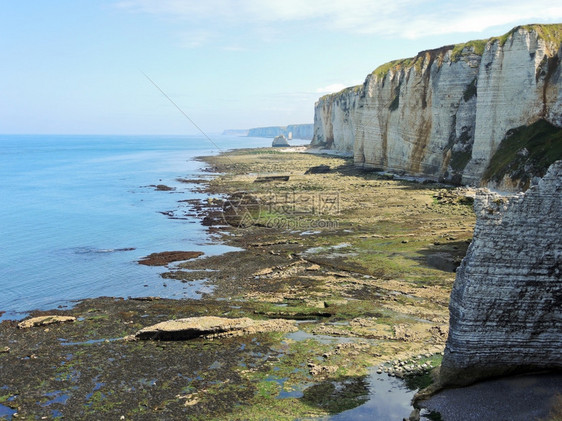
x=165, y=257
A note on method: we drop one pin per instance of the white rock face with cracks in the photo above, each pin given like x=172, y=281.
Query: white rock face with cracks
x=506, y=303
x=444, y=113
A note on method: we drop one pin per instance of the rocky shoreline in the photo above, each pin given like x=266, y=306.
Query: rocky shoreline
x=363, y=267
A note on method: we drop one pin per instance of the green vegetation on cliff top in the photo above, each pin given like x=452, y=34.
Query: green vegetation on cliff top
x=550, y=33
x=354, y=89
x=526, y=152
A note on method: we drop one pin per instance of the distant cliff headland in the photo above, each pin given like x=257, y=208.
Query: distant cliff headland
x=486, y=112
x=294, y=131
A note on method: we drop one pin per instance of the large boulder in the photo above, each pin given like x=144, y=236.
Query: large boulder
x=44, y=321
x=212, y=327
x=280, y=141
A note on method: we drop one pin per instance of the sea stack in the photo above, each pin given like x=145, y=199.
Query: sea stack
x=506, y=303
x=280, y=141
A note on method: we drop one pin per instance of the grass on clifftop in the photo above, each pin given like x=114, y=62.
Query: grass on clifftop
x=351, y=89
x=550, y=33
x=525, y=152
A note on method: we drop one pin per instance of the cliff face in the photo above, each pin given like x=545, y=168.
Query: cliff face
x=506, y=303
x=297, y=131
x=445, y=112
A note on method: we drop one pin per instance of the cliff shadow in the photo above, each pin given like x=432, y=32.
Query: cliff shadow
x=406, y=181
x=445, y=256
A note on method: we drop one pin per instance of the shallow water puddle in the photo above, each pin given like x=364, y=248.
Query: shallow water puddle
x=389, y=399
x=6, y=412
x=88, y=342
x=385, y=398
x=301, y=335
x=57, y=397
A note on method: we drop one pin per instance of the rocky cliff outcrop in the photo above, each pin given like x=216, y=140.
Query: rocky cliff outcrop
x=506, y=303
x=295, y=131
x=446, y=113
x=280, y=141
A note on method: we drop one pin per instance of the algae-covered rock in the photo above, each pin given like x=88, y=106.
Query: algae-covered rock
x=44, y=321
x=212, y=327
x=165, y=257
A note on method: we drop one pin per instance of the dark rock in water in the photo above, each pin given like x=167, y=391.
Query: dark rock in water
x=214, y=219
x=319, y=169
x=87, y=250
x=280, y=141
x=192, y=180
x=162, y=259
x=162, y=187
x=212, y=327
x=145, y=298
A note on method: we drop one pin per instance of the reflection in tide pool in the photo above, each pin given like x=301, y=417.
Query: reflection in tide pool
x=389, y=399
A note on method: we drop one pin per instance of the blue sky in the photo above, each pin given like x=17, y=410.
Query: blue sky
x=76, y=66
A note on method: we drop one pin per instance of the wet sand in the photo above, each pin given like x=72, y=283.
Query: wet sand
x=518, y=398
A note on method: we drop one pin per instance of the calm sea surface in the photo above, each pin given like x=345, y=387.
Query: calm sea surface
x=68, y=204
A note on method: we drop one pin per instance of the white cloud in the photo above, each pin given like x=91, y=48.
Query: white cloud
x=195, y=39
x=335, y=87
x=404, y=18
x=234, y=48
x=397, y=18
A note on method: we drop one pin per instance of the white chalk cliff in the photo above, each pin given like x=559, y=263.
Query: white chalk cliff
x=446, y=113
x=296, y=131
x=506, y=303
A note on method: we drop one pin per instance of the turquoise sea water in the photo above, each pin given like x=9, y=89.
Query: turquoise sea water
x=68, y=204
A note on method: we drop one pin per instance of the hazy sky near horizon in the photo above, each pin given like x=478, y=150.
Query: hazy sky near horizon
x=76, y=66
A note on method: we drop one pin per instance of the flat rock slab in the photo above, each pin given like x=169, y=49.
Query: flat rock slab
x=44, y=321
x=212, y=327
x=165, y=257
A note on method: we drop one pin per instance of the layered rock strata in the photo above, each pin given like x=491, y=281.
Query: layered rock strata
x=444, y=113
x=506, y=303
